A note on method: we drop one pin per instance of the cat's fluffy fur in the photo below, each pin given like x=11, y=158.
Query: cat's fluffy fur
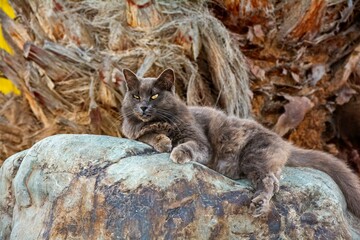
x=156, y=121
x=231, y=146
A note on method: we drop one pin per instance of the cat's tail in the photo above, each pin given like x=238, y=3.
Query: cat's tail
x=348, y=182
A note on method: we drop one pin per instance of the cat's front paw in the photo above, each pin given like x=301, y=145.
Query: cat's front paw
x=163, y=143
x=181, y=154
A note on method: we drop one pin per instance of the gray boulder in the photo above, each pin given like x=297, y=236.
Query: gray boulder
x=100, y=187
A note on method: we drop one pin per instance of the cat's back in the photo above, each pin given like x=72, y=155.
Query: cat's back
x=218, y=125
x=208, y=116
x=205, y=112
x=205, y=116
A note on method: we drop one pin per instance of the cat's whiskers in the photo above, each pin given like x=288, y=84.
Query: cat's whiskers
x=169, y=115
x=127, y=114
x=170, y=119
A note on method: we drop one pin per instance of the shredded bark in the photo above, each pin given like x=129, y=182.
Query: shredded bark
x=69, y=58
x=302, y=49
x=302, y=56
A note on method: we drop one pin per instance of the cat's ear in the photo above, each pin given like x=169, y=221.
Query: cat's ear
x=132, y=82
x=166, y=80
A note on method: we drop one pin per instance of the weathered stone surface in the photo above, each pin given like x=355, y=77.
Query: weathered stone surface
x=99, y=187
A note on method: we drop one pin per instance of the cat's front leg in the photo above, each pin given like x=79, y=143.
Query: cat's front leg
x=190, y=151
x=159, y=141
x=182, y=153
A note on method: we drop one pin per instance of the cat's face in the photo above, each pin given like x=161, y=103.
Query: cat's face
x=148, y=98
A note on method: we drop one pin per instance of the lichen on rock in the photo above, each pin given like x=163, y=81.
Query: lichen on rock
x=100, y=187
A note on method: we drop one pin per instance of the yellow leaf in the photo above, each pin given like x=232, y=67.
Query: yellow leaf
x=6, y=7
x=6, y=86
x=3, y=44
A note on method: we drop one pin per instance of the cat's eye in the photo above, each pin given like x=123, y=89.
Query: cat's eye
x=136, y=97
x=153, y=97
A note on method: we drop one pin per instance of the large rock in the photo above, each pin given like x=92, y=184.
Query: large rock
x=99, y=187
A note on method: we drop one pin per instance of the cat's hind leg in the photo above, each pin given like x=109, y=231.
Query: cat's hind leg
x=263, y=166
x=266, y=187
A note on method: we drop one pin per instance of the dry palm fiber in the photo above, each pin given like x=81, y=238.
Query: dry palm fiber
x=304, y=57
x=69, y=56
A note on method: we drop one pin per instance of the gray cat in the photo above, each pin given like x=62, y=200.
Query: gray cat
x=231, y=146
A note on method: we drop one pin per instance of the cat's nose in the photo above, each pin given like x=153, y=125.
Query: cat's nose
x=143, y=109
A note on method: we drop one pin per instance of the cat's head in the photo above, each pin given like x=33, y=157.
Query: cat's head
x=148, y=98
